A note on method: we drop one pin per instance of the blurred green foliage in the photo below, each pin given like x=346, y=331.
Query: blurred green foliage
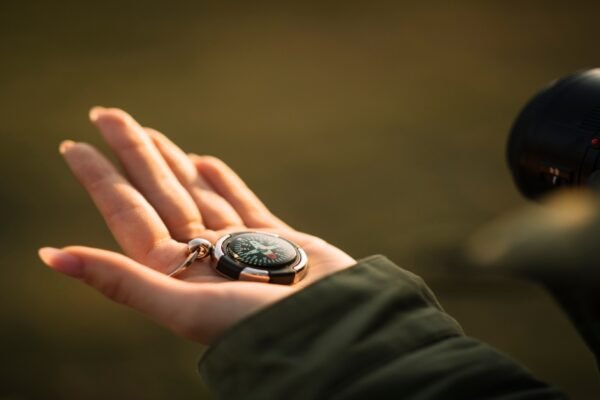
x=377, y=125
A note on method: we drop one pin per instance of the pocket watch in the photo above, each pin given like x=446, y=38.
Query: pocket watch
x=251, y=256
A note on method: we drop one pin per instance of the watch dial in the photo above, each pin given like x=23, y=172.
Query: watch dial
x=261, y=250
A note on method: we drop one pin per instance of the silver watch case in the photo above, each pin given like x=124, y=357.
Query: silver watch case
x=289, y=274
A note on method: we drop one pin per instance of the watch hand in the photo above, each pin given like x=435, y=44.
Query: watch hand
x=262, y=246
x=256, y=244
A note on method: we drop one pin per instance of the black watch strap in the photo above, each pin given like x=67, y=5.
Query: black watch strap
x=284, y=276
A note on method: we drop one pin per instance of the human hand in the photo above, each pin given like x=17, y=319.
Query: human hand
x=170, y=198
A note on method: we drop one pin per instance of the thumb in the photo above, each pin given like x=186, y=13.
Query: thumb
x=121, y=279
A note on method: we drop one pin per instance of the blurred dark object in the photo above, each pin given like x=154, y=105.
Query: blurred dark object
x=554, y=144
x=555, y=141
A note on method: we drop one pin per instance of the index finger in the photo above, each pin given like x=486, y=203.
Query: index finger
x=135, y=225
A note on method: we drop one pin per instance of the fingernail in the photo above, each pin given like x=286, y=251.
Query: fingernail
x=65, y=145
x=61, y=261
x=95, y=112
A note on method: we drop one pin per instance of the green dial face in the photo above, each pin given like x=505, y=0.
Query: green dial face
x=261, y=250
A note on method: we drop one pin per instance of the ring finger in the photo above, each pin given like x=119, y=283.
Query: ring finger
x=217, y=213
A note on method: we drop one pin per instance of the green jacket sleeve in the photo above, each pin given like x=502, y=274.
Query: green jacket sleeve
x=372, y=331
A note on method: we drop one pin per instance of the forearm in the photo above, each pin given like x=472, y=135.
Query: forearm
x=374, y=330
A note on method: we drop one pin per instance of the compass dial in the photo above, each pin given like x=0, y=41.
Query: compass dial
x=261, y=250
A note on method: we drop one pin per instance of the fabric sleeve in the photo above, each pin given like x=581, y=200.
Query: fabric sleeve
x=371, y=331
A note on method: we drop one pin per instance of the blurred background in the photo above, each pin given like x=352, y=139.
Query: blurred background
x=380, y=126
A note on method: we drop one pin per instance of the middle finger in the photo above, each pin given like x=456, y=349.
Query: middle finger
x=149, y=172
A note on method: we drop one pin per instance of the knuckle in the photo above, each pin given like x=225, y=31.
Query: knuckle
x=214, y=164
x=188, y=229
x=131, y=143
x=187, y=173
x=98, y=180
x=194, y=157
x=153, y=132
x=208, y=159
x=254, y=215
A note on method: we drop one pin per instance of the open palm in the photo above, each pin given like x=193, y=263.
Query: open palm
x=169, y=198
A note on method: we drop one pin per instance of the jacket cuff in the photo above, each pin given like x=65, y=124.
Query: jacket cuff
x=325, y=320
